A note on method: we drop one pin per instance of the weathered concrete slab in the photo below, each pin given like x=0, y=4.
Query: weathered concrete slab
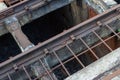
x=99, y=67
x=2, y=6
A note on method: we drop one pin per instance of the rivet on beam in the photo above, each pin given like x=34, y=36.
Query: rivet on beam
x=72, y=37
x=99, y=23
x=15, y=67
x=46, y=51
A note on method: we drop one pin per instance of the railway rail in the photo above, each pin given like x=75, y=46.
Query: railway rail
x=50, y=60
x=20, y=6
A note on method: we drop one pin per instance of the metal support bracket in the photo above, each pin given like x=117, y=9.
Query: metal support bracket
x=14, y=28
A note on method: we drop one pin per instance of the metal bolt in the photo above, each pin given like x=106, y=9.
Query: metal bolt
x=26, y=8
x=15, y=67
x=99, y=23
x=46, y=51
x=72, y=37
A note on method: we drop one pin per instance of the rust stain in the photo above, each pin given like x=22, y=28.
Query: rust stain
x=114, y=74
x=92, y=12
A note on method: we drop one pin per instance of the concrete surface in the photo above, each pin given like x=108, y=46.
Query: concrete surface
x=99, y=67
x=2, y=6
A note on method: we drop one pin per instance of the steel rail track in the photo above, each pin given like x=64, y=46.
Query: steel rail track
x=63, y=41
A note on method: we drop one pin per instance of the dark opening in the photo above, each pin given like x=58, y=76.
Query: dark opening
x=118, y=1
x=8, y=47
x=47, y=26
x=87, y=58
x=60, y=73
x=73, y=66
x=101, y=50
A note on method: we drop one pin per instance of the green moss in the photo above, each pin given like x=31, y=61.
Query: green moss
x=118, y=30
